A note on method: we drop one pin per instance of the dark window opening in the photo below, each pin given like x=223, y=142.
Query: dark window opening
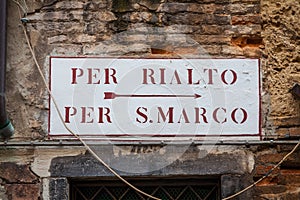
x=163, y=188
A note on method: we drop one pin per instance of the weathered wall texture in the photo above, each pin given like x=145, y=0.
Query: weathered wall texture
x=265, y=29
x=229, y=28
x=281, y=64
x=119, y=28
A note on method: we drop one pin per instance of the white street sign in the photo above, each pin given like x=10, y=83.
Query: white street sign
x=119, y=97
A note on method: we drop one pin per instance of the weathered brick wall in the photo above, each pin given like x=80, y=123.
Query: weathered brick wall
x=265, y=29
x=281, y=64
x=223, y=28
x=228, y=28
x=284, y=182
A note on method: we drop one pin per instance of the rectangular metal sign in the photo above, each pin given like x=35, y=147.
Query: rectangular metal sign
x=211, y=98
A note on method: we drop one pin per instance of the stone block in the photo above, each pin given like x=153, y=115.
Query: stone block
x=58, y=189
x=95, y=28
x=69, y=5
x=106, y=16
x=12, y=156
x=230, y=184
x=3, y=195
x=211, y=164
x=174, y=7
x=122, y=5
x=61, y=16
x=84, y=38
x=57, y=39
x=150, y=4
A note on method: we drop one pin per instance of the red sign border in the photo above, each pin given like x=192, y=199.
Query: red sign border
x=71, y=136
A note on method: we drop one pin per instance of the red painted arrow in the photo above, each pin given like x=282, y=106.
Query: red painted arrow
x=111, y=95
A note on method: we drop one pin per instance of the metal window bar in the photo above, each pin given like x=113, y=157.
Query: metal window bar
x=164, y=188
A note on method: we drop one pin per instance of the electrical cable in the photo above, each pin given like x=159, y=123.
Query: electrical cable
x=265, y=176
x=97, y=157
x=61, y=117
x=20, y=6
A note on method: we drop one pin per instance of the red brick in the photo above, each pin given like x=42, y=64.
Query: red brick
x=289, y=177
x=23, y=191
x=262, y=170
x=245, y=19
x=268, y=181
x=13, y=173
x=232, y=50
x=286, y=121
x=270, y=189
x=293, y=161
x=211, y=29
x=282, y=132
x=252, y=52
x=271, y=158
x=212, y=49
x=294, y=132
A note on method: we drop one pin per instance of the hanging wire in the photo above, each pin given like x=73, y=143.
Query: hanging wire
x=23, y=6
x=266, y=175
x=25, y=9
x=61, y=117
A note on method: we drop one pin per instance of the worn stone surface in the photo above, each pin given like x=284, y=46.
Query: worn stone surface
x=191, y=163
x=20, y=156
x=232, y=184
x=3, y=194
x=43, y=157
x=58, y=189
